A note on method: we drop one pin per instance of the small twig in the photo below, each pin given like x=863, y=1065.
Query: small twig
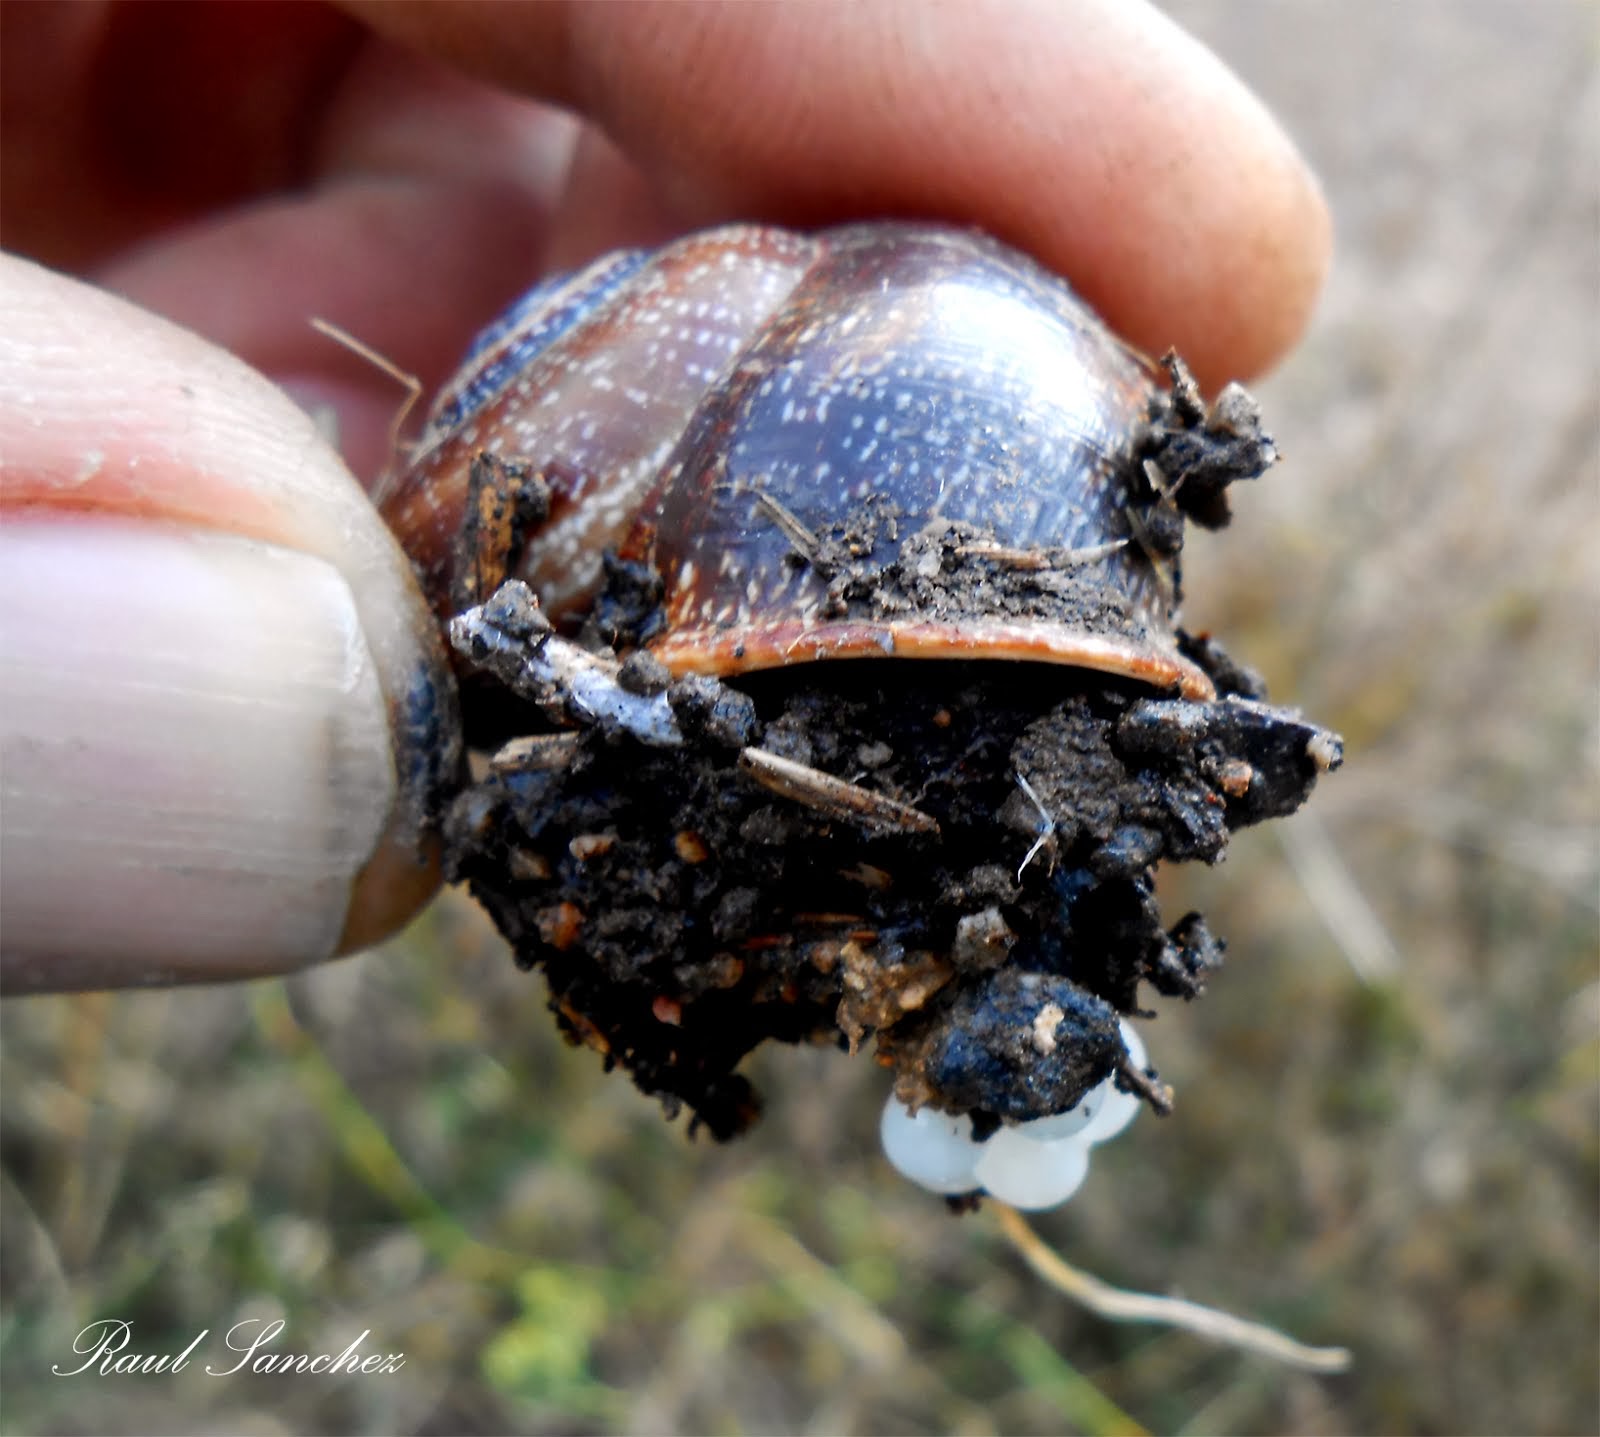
x=1141, y=535
x=537, y=752
x=1116, y=1304
x=1011, y=558
x=510, y=638
x=1158, y=480
x=805, y=543
x=1157, y=1094
x=836, y=797
x=1046, y=834
x=408, y=382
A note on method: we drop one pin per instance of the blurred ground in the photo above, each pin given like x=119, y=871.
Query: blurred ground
x=1387, y=1135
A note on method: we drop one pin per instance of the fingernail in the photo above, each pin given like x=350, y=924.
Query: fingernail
x=195, y=754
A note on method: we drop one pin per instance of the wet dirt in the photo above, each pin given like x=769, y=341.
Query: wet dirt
x=951, y=860
x=684, y=906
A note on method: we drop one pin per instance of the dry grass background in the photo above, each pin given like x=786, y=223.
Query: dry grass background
x=1387, y=1135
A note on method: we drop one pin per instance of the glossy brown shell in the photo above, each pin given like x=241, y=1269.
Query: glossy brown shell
x=885, y=439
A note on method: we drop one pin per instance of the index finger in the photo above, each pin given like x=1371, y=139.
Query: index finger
x=1096, y=135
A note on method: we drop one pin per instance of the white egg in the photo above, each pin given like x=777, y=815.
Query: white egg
x=1069, y=1123
x=1030, y=1174
x=1134, y=1044
x=933, y=1149
x=1119, y=1108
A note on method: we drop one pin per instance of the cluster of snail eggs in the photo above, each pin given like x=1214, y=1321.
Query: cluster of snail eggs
x=1031, y=1165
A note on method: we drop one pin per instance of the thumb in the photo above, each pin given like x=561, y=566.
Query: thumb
x=226, y=719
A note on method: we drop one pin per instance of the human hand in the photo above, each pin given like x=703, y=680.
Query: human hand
x=223, y=706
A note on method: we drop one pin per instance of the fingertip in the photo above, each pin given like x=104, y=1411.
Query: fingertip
x=187, y=552
x=1214, y=235
x=1096, y=134
x=395, y=886
x=196, y=751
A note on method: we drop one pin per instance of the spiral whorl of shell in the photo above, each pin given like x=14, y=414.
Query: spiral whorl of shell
x=883, y=439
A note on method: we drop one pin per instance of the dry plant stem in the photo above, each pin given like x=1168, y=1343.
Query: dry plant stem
x=834, y=796
x=1346, y=912
x=1116, y=1305
x=384, y=365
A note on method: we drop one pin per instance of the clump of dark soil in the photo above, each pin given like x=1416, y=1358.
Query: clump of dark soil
x=950, y=860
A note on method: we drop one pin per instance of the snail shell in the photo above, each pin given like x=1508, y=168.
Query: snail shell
x=751, y=450
x=884, y=439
